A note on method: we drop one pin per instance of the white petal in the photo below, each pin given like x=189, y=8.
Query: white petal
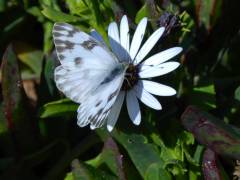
x=137, y=37
x=97, y=36
x=157, y=88
x=114, y=40
x=163, y=56
x=159, y=70
x=113, y=31
x=113, y=35
x=147, y=98
x=124, y=33
x=133, y=107
x=148, y=45
x=115, y=111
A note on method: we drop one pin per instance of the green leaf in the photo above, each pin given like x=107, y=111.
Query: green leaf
x=47, y=38
x=94, y=14
x=58, y=16
x=112, y=157
x=58, y=108
x=143, y=12
x=35, y=11
x=212, y=132
x=82, y=171
x=78, y=8
x=206, y=89
x=204, y=11
x=69, y=176
x=51, y=3
x=3, y=5
x=169, y=154
x=48, y=74
x=11, y=83
x=207, y=12
x=31, y=57
x=98, y=10
x=173, y=155
x=15, y=106
x=142, y=153
x=187, y=25
x=157, y=173
x=237, y=94
x=204, y=97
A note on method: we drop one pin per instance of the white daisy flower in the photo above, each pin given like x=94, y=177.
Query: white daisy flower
x=111, y=77
x=135, y=86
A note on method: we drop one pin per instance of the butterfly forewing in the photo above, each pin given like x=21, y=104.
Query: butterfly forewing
x=84, y=61
x=76, y=49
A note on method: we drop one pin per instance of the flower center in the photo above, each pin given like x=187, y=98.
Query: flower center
x=131, y=77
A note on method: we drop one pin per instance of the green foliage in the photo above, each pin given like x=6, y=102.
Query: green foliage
x=39, y=136
x=237, y=94
x=141, y=14
x=207, y=94
x=58, y=16
x=137, y=146
x=58, y=108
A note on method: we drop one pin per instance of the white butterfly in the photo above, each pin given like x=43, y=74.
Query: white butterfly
x=98, y=79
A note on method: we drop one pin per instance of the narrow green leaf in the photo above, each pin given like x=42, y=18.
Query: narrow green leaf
x=58, y=16
x=187, y=24
x=48, y=74
x=204, y=97
x=47, y=38
x=143, y=12
x=58, y=108
x=10, y=27
x=206, y=89
x=207, y=11
x=203, y=10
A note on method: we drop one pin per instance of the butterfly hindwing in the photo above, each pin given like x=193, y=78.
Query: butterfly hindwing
x=76, y=84
x=97, y=107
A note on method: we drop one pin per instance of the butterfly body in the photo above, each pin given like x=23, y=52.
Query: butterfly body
x=118, y=70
